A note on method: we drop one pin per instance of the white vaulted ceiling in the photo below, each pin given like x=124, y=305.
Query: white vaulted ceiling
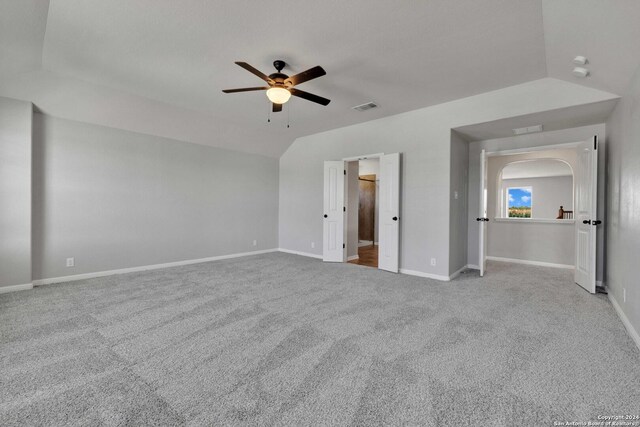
x=158, y=66
x=606, y=32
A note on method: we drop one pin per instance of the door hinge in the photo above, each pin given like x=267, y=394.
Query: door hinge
x=595, y=142
x=343, y=246
x=344, y=209
x=345, y=171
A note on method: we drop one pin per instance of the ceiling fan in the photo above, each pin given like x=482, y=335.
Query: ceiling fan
x=281, y=86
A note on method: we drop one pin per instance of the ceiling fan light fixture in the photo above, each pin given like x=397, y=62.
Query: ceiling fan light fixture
x=278, y=95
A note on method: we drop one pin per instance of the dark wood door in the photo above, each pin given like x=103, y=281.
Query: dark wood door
x=367, y=207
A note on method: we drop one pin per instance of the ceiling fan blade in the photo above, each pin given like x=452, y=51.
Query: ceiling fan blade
x=245, y=89
x=309, y=96
x=305, y=76
x=277, y=107
x=252, y=70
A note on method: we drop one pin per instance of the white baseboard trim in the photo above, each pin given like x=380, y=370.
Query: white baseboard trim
x=457, y=273
x=15, y=288
x=402, y=270
x=352, y=257
x=625, y=321
x=427, y=275
x=307, y=254
x=473, y=267
x=524, y=261
x=83, y=276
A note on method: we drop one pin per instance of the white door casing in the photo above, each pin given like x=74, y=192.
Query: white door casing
x=333, y=240
x=389, y=213
x=585, y=215
x=482, y=214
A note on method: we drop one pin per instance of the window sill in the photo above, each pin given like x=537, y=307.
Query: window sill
x=537, y=220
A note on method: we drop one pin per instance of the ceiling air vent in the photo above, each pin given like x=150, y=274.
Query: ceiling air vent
x=365, y=107
x=530, y=129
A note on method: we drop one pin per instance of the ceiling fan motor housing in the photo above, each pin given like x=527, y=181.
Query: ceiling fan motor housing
x=279, y=79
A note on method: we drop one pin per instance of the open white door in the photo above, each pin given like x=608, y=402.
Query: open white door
x=586, y=192
x=482, y=215
x=333, y=242
x=389, y=232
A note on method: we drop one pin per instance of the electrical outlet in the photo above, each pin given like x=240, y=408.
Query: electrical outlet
x=624, y=294
x=71, y=262
x=313, y=245
x=433, y=262
x=255, y=243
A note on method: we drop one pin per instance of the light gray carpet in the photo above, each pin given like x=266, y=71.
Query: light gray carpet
x=279, y=339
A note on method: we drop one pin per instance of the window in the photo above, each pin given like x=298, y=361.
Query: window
x=551, y=180
x=518, y=202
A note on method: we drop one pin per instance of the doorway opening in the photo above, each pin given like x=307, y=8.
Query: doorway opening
x=538, y=206
x=362, y=218
x=341, y=239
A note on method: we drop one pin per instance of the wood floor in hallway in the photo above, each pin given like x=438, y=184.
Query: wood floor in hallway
x=367, y=255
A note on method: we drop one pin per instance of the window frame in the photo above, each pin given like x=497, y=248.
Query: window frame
x=506, y=201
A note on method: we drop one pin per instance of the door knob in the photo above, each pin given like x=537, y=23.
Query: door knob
x=395, y=218
x=325, y=215
x=586, y=221
x=596, y=222
x=479, y=219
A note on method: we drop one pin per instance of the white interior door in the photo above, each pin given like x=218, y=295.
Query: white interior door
x=389, y=213
x=482, y=214
x=586, y=192
x=333, y=241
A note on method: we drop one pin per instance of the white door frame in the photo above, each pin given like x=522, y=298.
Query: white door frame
x=492, y=153
x=482, y=218
x=347, y=195
x=353, y=159
x=365, y=157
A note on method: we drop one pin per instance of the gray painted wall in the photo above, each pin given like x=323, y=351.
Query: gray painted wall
x=458, y=205
x=553, y=243
x=15, y=192
x=534, y=140
x=530, y=241
x=549, y=193
x=424, y=138
x=623, y=208
x=115, y=199
x=301, y=187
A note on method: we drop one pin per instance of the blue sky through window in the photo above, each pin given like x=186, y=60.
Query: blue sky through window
x=519, y=197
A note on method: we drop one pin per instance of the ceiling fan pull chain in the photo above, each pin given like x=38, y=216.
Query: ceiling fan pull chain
x=288, y=109
x=269, y=113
